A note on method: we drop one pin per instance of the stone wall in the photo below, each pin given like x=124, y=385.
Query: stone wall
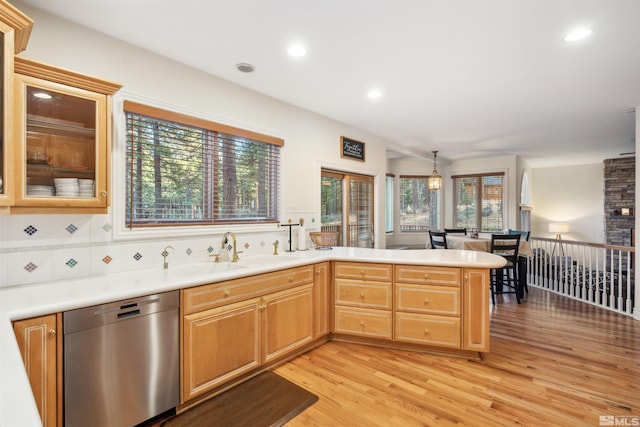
x=619, y=193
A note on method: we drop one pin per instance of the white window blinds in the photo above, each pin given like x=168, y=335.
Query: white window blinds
x=183, y=170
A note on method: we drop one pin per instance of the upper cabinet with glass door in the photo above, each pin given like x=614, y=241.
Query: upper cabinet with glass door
x=62, y=131
x=15, y=28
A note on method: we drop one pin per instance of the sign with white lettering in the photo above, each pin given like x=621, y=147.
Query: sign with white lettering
x=352, y=149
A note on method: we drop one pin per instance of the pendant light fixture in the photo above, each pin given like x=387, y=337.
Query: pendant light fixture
x=434, y=182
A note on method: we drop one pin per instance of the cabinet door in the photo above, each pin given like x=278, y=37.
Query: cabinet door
x=287, y=321
x=321, y=296
x=37, y=339
x=62, y=135
x=475, y=315
x=218, y=345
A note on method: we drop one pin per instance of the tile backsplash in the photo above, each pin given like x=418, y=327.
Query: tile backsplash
x=41, y=248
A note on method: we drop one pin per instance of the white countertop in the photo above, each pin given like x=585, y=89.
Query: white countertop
x=17, y=407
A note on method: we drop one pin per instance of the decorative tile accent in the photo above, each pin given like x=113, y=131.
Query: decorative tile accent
x=71, y=228
x=107, y=259
x=164, y=253
x=188, y=251
x=262, y=244
x=246, y=245
x=106, y=227
x=137, y=256
x=71, y=263
x=30, y=230
x=210, y=249
x=30, y=267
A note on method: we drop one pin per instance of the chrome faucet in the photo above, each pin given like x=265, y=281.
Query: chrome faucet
x=225, y=240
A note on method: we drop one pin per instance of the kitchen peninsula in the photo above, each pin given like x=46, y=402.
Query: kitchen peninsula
x=393, y=299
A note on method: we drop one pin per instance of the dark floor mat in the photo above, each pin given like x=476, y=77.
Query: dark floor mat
x=263, y=401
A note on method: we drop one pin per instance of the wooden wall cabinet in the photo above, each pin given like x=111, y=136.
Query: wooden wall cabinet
x=41, y=348
x=230, y=328
x=61, y=140
x=15, y=28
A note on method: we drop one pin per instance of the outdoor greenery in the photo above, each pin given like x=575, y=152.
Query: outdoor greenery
x=419, y=206
x=183, y=174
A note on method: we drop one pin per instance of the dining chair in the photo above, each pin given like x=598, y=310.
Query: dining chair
x=505, y=280
x=456, y=231
x=524, y=234
x=438, y=239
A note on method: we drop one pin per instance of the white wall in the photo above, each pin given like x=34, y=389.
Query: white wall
x=572, y=194
x=311, y=142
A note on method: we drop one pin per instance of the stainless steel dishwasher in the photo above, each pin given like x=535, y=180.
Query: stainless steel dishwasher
x=121, y=361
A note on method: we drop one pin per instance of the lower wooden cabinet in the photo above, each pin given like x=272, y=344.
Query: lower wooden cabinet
x=363, y=322
x=439, y=331
x=475, y=291
x=444, y=307
x=322, y=302
x=229, y=340
x=41, y=348
x=218, y=345
x=287, y=321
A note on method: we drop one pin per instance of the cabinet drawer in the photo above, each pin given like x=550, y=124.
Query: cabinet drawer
x=425, y=275
x=364, y=271
x=363, y=294
x=430, y=330
x=363, y=322
x=217, y=294
x=428, y=299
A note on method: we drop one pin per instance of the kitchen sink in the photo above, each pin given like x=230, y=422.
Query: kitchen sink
x=205, y=268
x=265, y=260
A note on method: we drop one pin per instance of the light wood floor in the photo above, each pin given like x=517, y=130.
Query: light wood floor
x=553, y=362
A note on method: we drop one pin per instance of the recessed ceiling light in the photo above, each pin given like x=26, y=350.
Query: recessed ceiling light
x=42, y=95
x=577, y=34
x=374, y=93
x=297, y=49
x=245, y=68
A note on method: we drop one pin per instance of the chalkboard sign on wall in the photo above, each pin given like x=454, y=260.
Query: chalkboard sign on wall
x=352, y=149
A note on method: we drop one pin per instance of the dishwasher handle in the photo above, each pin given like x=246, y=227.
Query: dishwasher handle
x=128, y=314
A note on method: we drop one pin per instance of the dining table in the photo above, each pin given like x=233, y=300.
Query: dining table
x=484, y=245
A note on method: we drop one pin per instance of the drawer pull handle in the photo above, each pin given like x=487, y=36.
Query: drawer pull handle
x=426, y=331
x=362, y=323
x=426, y=276
x=426, y=301
x=290, y=279
x=52, y=332
x=226, y=293
x=262, y=307
x=362, y=295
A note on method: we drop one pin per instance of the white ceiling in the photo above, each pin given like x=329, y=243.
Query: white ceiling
x=470, y=78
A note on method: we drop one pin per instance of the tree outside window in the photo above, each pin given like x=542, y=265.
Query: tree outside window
x=479, y=201
x=419, y=206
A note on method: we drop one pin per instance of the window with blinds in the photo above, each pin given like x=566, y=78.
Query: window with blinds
x=419, y=206
x=183, y=170
x=479, y=201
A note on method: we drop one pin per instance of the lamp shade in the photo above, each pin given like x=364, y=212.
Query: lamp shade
x=434, y=182
x=558, y=227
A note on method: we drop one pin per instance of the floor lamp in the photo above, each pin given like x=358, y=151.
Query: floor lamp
x=559, y=228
